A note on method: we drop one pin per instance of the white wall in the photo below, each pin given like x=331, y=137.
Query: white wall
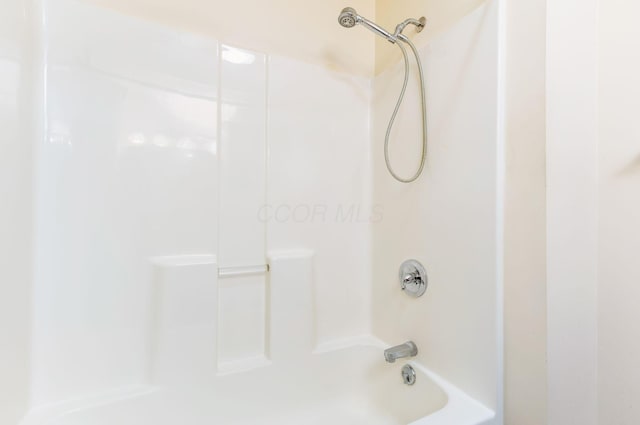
x=16, y=167
x=593, y=200
x=307, y=30
x=126, y=171
x=525, y=216
x=161, y=151
x=441, y=17
x=572, y=258
x=525, y=184
x=129, y=171
x=448, y=219
x=619, y=213
x=319, y=186
x=151, y=170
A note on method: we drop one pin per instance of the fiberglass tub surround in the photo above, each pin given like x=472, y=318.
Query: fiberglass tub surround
x=174, y=286
x=344, y=384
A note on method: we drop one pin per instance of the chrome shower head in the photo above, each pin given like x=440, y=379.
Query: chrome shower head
x=348, y=17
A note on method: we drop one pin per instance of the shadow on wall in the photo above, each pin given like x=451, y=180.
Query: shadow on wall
x=343, y=71
x=469, y=56
x=300, y=30
x=441, y=16
x=633, y=167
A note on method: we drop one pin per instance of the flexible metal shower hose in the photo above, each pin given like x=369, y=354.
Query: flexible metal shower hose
x=397, y=108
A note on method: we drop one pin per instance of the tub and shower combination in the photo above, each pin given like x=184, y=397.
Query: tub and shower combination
x=226, y=236
x=342, y=385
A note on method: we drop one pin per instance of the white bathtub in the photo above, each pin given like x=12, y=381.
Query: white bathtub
x=351, y=385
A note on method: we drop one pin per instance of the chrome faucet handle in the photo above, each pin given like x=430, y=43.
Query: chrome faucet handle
x=413, y=278
x=409, y=279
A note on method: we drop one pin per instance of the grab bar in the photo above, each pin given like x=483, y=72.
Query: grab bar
x=225, y=272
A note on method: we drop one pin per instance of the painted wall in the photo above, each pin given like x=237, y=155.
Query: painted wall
x=619, y=216
x=16, y=209
x=448, y=219
x=441, y=16
x=307, y=30
x=572, y=211
x=525, y=217
x=592, y=206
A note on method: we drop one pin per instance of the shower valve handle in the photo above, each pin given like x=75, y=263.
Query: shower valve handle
x=409, y=279
x=413, y=278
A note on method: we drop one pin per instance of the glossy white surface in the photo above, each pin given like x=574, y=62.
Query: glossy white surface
x=319, y=186
x=350, y=385
x=448, y=219
x=303, y=30
x=16, y=208
x=183, y=328
x=242, y=321
x=127, y=171
x=167, y=157
x=291, y=320
x=242, y=156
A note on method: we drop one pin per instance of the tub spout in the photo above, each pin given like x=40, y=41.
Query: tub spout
x=408, y=349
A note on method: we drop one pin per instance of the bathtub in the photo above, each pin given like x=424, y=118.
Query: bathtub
x=346, y=384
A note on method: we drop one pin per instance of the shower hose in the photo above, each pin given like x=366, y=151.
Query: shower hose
x=397, y=108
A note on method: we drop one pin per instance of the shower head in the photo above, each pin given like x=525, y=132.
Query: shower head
x=348, y=18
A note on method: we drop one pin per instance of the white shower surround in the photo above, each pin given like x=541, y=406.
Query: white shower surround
x=141, y=174
x=338, y=384
x=450, y=219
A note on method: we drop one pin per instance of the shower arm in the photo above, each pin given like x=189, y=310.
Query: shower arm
x=392, y=38
x=419, y=24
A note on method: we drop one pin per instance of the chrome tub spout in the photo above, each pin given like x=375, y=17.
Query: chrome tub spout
x=408, y=349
